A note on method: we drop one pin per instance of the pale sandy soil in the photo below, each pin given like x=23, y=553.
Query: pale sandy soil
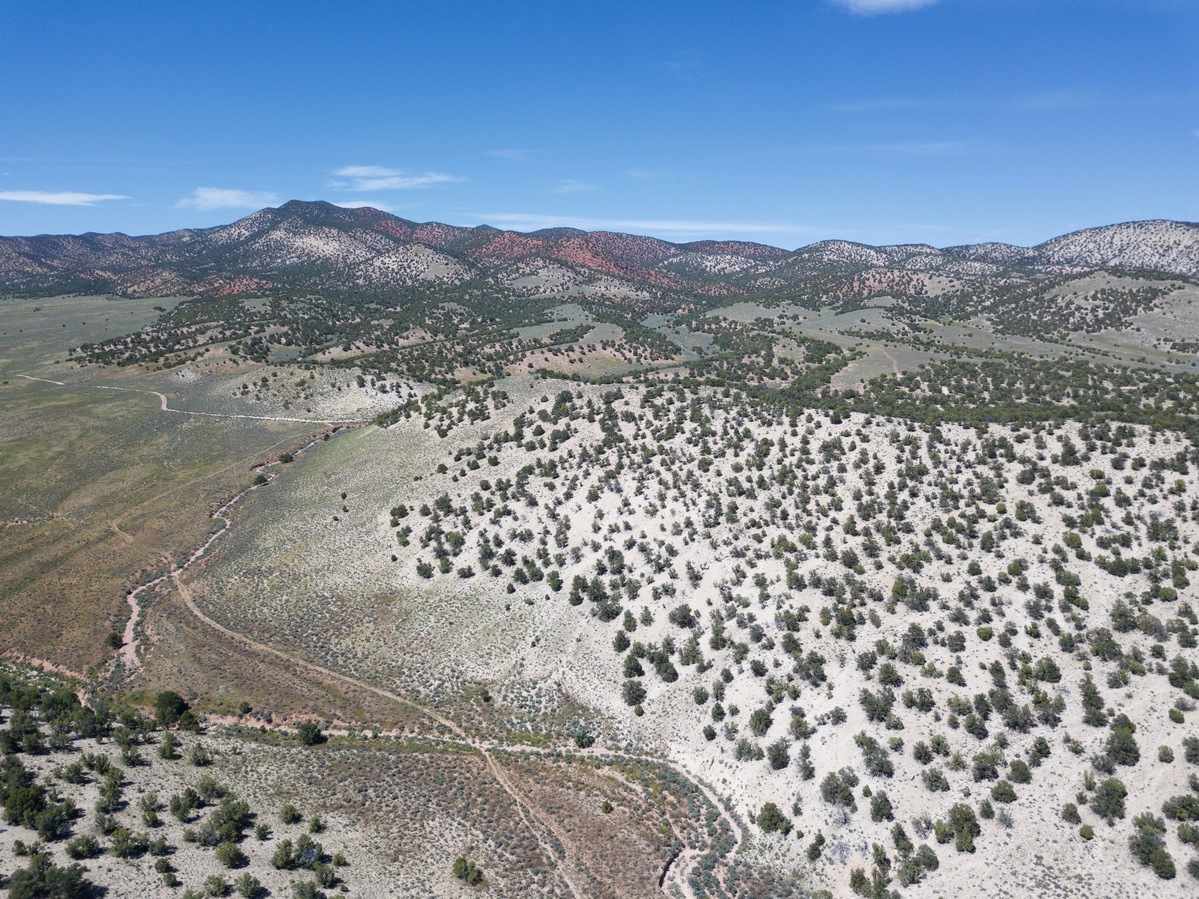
x=266, y=777
x=316, y=572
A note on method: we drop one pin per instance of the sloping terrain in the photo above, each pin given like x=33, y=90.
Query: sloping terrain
x=776, y=604
x=623, y=567
x=316, y=245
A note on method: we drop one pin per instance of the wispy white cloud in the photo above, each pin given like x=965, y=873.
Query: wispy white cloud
x=876, y=7
x=377, y=177
x=684, y=67
x=57, y=198
x=208, y=199
x=689, y=227
x=365, y=171
x=571, y=186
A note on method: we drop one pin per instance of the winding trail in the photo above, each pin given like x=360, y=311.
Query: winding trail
x=43, y=380
x=130, y=642
x=44, y=665
x=166, y=408
x=525, y=809
x=538, y=823
x=486, y=748
x=115, y=527
x=129, y=658
x=129, y=648
x=164, y=404
x=894, y=364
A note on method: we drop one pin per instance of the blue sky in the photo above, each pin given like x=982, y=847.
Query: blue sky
x=937, y=121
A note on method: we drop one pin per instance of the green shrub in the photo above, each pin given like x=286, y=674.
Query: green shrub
x=777, y=754
x=880, y=807
x=1122, y=746
x=759, y=722
x=837, y=788
x=248, y=886
x=127, y=844
x=1183, y=808
x=1108, y=801
x=231, y=856
x=167, y=748
x=289, y=814
x=1190, y=750
x=816, y=847
x=964, y=825
x=310, y=734
x=772, y=820
x=633, y=693
x=1003, y=792
x=82, y=846
x=1148, y=846
x=45, y=880
x=1163, y=864
x=284, y=857
x=168, y=707
x=467, y=871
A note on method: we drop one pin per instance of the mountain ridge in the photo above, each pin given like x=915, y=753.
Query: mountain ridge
x=317, y=245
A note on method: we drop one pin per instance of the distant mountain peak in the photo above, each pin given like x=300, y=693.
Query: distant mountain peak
x=315, y=244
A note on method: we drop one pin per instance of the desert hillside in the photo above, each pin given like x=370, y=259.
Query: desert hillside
x=581, y=564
